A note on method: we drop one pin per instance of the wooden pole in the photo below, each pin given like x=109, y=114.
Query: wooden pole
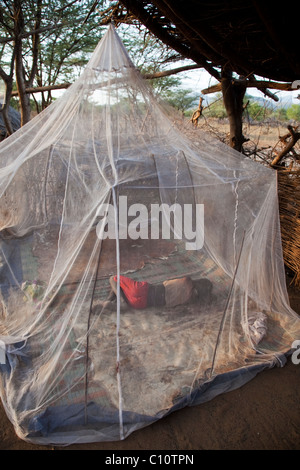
x=233, y=94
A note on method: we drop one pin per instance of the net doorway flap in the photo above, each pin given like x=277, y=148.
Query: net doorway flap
x=138, y=273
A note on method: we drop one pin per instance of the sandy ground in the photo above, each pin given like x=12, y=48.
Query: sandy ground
x=263, y=414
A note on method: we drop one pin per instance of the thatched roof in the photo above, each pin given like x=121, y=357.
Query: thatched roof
x=247, y=37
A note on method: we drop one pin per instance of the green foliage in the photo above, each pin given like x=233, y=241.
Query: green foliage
x=66, y=43
x=169, y=89
x=164, y=87
x=293, y=112
x=280, y=114
x=182, y=99
x=254, y=110
x=66, y=49
x=61, y=48
x=148, y=53
x=259, y=112
x=216, y=109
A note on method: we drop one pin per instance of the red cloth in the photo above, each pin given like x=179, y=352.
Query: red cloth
x=135, y=292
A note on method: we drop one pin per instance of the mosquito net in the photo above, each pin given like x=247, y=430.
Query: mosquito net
x=139, y=272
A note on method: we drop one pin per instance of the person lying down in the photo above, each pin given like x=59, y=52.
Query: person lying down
x=142, y=294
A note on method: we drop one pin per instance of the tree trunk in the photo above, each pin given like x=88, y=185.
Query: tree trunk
x=19, y=68
x=5, y=108
x=8, y=80
x=233, y=94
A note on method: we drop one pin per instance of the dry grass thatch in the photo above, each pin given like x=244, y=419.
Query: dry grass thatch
x=289, y=208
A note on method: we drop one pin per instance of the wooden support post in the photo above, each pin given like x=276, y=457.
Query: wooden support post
x=233, y=94
x=294, y=137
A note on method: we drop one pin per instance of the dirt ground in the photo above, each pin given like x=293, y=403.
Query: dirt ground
x=262, y=135
x=263, y=414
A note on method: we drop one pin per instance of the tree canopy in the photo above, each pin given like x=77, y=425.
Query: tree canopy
x=40, y=41
x=45, y=43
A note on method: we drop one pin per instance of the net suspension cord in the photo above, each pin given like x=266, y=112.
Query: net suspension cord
x=118, y=314
x=226, y=306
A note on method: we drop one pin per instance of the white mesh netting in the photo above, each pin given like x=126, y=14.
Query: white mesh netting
x=83, y=187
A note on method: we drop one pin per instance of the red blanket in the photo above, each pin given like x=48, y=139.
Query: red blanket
x=135, y=292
